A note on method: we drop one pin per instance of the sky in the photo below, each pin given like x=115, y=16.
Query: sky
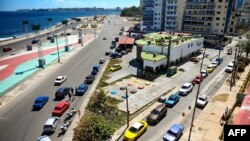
x=12, y=5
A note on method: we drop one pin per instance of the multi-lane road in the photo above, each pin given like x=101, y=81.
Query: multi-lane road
x=19, y=122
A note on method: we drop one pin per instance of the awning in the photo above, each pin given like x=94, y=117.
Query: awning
x=126, y=40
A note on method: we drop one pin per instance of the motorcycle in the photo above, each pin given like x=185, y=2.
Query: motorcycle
x=64, y=127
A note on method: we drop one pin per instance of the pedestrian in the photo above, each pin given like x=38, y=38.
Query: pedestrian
x=72, y=90
x=69, y=96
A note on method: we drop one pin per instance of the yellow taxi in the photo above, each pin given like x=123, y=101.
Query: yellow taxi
x=115, y=67
x=210, y=68
x=135, y=130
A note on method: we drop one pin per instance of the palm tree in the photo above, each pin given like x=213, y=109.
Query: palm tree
x=25, y=24
x=49, y=21
x=65, y=23
x=36, y=29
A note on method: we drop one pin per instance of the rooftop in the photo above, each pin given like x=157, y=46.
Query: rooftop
x=152, y=57
x=162, y=39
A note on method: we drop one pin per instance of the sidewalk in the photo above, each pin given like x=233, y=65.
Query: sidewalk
x=207, y=125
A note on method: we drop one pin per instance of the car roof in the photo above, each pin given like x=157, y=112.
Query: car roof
x=210, y=65
x=60, y=77
x=60, y=104
x=51, y=120
x=82, y=85
x=40, y=98
x=159, y=107
x=137, y=125
x=187, y=84
x=175, y=128
x=231, y=64
x=61, y=89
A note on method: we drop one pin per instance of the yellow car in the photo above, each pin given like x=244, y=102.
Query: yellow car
x=210, y=68
x=115, y=67
x=135, y=130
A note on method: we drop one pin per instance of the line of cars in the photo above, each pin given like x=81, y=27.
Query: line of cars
x=61, y=107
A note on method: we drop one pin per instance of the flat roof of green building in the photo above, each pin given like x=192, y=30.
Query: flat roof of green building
x=152, y=57
x=162, y=39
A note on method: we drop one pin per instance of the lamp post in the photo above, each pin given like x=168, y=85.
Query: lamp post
x=57, y=48
x=127, y=106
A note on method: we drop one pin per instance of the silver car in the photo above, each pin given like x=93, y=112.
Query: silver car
x=51, y=124
x=202, y=101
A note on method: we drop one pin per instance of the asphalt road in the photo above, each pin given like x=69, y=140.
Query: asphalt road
x=209, y=86
x=19, y=122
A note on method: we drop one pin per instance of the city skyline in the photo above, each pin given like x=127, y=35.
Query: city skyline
x=12, y=5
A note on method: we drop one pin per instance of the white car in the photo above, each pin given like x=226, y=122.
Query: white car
x=215, y=64
x=229, y=68
x=60, y=79
x=202, y=101
x=43, y=138
x=186, y=88
x=51, y=124
x=101, y=60
x=204, y=73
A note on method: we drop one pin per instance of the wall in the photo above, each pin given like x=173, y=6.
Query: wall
x=154, y=64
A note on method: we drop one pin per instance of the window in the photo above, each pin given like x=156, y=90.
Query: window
x=217, y=24
x=222, y=30
x=217, y=18
x=218, y=12
x=220, y=1
x=232, y=23
x=219, y=6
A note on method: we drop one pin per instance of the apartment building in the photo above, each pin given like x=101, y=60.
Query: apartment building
x=174, y=15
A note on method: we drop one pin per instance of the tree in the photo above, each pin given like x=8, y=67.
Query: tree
x=128, y=12
x=93, y=127
x=49, y=21
x=65, y=23
x=246, y=47
x=25, y=24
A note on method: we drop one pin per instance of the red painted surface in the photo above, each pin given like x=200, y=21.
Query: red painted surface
x=243, y=117
x=126, y=40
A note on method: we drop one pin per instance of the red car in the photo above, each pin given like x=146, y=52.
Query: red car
x=60, y=108
x=6, y=49
x=198, y=79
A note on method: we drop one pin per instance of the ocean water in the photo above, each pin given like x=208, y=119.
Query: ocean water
x=11, y=22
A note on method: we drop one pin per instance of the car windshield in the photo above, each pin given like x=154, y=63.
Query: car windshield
x=155, y=112
x=47, y=126
x=202, y=98
x=58, y=79
x=209, y=67
x=58, y=108
x=81, y=88
x=171, y=133
x=38, y=101
x=171, y=98
x=133, y=129
x=184, y=87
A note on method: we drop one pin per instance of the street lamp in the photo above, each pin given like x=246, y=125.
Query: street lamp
x=58, y=56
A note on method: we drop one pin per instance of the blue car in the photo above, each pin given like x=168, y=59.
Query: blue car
x=172, y=100
x=219, y=60
x=40, y=102
x=174, y=133
x=81, y=89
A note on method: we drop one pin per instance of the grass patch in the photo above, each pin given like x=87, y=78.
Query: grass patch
x=221, y=97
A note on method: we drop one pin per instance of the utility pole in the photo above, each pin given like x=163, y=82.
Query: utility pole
x=198, y=91
x=233, y=72
x=127, y=106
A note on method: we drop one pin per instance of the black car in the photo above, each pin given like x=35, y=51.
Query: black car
x=157, y=114
x=34, y=41
x=89, y=79
x=49, y=38
x=62, y=92
x=116, y=39
x=112, y=46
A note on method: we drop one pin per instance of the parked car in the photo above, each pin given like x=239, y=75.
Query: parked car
x=161, y=99
x=173, y=133
x=43, y=138
x=210, y=68
x=60, y=108
x=6, y=49
x=219, y=60
x=229, y=68
x=123, y=52
x=49, y=37
x=202, y=101
x=186, y=89
x=198, y=79
x=51, y=124
x=82, y=88
x=215, y=64
x=172, y=100
x=116, y=39
x=135, y=131
x=89, y=79
x=62, y=92
x=107, y=52
x=157, y=114
x=113, y=42
x=59, y=80
x=204, y=73
x=101, y=60
x=40, y=102
x=104, y=38
x=229, y=51
x=194, y=59
x=34, y=41
x=120, y=33
x=115, y=67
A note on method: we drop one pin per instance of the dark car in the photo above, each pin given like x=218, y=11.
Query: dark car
x=157, y=114
x=40, y=102
x=82, y=88
x=89, y=79
x=116, y=39
x=120, y=33
x=229, y=51
x=34, y=41
x=219, y=60
x=6, y=49
x=62, y=92
x=49, y=38
x=112, y=46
